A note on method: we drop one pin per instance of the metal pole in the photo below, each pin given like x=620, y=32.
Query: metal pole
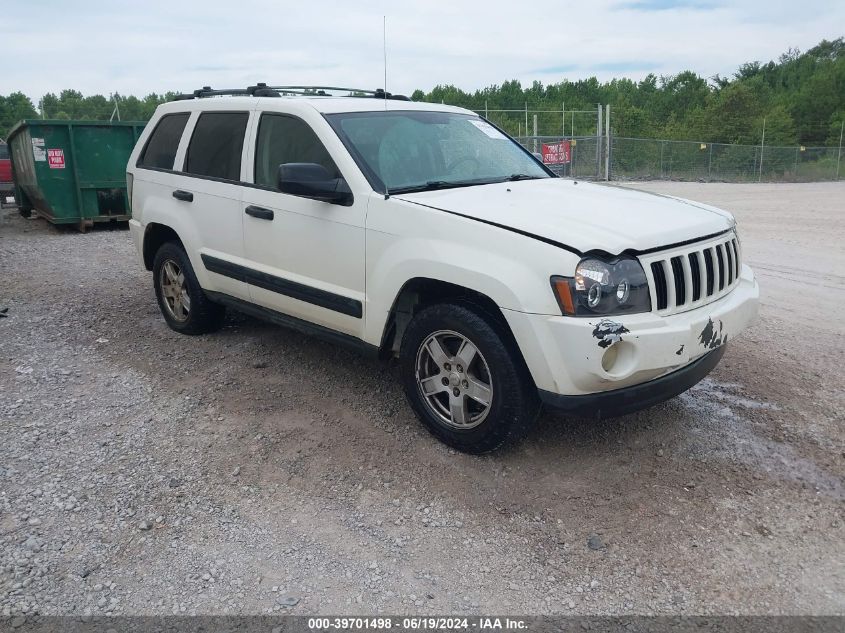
x=486, y=115
x=607, y=142
x=762, y=145
x=535, y=134
x=710, y=164
x=563, y=121
x=572, y=124
x=598, y=142
x=839, y=156
x=795, y=169
x=662, y=145
x=526, y=118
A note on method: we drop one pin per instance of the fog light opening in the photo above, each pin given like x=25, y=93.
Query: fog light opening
x=619, y=360
x=608, y=359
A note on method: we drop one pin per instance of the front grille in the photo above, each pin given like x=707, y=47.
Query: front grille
x=691, y=276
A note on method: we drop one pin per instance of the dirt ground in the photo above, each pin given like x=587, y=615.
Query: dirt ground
x=256, y=470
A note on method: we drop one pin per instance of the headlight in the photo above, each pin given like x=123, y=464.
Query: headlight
x=617, y=286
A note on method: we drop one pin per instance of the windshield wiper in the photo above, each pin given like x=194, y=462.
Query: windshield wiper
x=434, y=185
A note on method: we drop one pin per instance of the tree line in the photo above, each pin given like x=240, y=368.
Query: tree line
x=800, y=98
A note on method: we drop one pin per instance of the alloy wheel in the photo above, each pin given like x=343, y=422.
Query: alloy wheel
x=174, y=290
x=454, y=379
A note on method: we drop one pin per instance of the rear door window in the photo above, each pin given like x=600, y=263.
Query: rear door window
x=160, y=151
x=217, y=144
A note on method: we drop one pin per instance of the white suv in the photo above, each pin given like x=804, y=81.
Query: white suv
x=423, y=232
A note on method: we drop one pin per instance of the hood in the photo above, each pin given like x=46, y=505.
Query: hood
x=581, y=215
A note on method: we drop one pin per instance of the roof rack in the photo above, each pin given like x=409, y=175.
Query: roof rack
x=263, y=90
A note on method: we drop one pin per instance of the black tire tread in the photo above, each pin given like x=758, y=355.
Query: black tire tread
x=205, y=315
x=516, y=404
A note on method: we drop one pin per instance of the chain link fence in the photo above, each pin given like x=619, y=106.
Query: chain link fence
x=594, y=155
x=645, y=159
x=656, y=159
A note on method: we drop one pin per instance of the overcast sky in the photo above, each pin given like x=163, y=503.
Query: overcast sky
x=138, y=47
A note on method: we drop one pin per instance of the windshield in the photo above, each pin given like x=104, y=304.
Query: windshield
x=421, y=151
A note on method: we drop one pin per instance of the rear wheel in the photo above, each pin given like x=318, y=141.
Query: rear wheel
x=182, y=301
x=464, y=378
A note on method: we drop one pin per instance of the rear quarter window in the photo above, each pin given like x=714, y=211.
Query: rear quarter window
x=217, y=144
x=4, y=152
x=160, y=151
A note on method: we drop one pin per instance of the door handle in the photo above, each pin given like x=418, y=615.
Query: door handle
x=259, y=212
x=186, y=196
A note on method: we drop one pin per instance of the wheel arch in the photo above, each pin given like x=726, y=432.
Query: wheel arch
x=419, y=292
x=155, y=235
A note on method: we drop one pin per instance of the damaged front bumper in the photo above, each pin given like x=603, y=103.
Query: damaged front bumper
x=646, y=354
x=609, y=404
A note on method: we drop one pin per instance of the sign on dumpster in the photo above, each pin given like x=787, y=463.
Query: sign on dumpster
x=56, y=158
x=557, y=153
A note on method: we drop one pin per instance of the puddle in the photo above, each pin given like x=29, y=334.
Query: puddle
x=721, y=429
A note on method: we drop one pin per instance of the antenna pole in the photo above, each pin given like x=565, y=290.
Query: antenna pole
x=384, y=39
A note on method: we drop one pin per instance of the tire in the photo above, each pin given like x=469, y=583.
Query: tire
x=172, y=271
x=463, y=422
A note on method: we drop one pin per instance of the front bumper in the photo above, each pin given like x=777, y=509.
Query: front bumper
x=579, y=356
x=609, y=404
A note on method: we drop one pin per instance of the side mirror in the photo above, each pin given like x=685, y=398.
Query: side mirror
x=538, y=156
x=310, y=180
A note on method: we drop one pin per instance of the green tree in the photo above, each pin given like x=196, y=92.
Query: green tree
x=16, y=107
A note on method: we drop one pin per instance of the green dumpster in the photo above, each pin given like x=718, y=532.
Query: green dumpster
x=73, y=172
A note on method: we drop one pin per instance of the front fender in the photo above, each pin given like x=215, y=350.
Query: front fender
x=411, y=242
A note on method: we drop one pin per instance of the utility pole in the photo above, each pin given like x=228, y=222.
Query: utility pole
x=607, y=142
x=839, y=156
x=762, y=145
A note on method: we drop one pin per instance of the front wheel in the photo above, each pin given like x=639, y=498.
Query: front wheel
x=465, y=379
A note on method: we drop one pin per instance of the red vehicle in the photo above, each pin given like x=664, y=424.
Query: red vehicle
x=7, y=187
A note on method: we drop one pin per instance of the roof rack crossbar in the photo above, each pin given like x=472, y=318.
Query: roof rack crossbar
x=263, y=90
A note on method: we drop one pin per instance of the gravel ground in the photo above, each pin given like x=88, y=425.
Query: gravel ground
x=257, y=470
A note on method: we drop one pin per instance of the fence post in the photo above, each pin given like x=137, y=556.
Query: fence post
x=662, y=145
x=762, y=145
x=607, y=142
x=710, y=163
x=563, y=121
x=526, y=118
x=535, y=134
x=486, y=115
x=598, y=142
x=839, y=155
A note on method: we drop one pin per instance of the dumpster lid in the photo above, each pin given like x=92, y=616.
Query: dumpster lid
x=24, y=123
